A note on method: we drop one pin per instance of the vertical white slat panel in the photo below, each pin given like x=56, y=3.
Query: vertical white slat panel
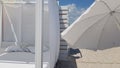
x=0, y=24
x=28, y=23
x=38, y=33
x=20, y=24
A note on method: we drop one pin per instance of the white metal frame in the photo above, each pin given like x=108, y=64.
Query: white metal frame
x=38, y=33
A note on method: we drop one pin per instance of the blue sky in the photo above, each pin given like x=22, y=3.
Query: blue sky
x=76, y=7
x=79, y=3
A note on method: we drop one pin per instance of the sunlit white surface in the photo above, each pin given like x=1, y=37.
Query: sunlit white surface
x=22, y=60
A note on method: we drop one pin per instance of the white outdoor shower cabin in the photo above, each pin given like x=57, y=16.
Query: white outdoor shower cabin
x=17, y=33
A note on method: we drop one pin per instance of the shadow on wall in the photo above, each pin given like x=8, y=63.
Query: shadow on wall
x=71, y=60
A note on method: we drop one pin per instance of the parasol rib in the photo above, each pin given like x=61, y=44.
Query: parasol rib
x=117, y=22
x=102, y=32
x=106, y=5
x=93, y=16
x=117, y=11
x=117, y=7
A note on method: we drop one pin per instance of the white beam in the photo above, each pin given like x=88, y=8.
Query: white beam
x=0, y=24
x=38, y=33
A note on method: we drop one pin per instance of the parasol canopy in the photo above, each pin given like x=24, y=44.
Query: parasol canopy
x=97, y=28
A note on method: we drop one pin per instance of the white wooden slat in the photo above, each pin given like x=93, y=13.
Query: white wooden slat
x=63, y=21
x=0, y=24
x=63, y=47
x=61, y=30
x=63, y=8
x=20, y=25
x=38, y=33
x=63, y=17
x=63, y=26
x=63, y=43
x=63, y=12
x=63, y=51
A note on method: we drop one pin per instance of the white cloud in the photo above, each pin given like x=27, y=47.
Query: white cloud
x=74, y=12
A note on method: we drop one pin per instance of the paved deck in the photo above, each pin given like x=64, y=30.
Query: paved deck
x=109, y=58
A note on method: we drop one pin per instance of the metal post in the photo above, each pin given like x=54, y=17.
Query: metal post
x=38, y=33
